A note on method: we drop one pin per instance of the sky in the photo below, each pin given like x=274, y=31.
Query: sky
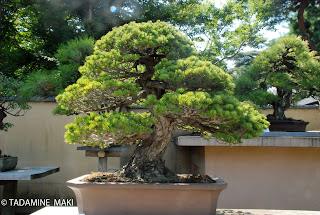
x=281, y=30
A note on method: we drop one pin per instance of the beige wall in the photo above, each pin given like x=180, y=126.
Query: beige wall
x=37, y=139
x=266, y=177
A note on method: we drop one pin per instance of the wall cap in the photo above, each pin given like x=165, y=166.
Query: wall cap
x=277, y=139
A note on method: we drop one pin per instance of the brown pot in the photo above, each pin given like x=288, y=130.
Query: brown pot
x=288, y=125
x=146, y=199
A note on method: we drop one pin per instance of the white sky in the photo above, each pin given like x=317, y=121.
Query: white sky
x=281, y=30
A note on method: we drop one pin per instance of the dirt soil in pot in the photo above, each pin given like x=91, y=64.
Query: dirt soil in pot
x=113, y=177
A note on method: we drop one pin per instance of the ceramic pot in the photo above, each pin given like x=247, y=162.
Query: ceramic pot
x=288, y=125
x=8, y=163
x=146, y=199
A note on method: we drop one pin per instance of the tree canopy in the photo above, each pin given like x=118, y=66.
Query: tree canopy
x=151, y=64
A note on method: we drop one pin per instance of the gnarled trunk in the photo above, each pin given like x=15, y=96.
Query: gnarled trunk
x=278, y=113
x=146, y=162
x=281, y=105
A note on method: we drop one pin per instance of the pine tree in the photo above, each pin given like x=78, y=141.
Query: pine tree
x=289, y=67
x=153, y=65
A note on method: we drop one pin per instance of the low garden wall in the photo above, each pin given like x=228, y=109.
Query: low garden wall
x=258, y=176
x=273, y=171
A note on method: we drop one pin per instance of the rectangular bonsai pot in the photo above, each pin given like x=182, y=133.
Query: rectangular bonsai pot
x=288, y=125
x=146, y=199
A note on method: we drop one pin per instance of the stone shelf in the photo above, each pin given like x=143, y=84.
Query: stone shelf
x=279, y=139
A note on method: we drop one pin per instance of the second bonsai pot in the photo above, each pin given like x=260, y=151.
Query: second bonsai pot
x=8, y=163
x=288, y=125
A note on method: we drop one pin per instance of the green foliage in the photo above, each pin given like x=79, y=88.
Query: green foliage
x=44, y=25
x=100, y=130
x=10, y=100
x=241, y=63
x=220, y=115
x=60, y=111
x=152, y=64
x=9, y=91
x=311, y=21
x=226, y=30
x=194, y=74
x=91, y=95
x=145, y=39
x=13, y=58
x=288, y=66
x=70, y=56
x=307, y=11
x=42, y=83
x=30, y=33
x=96, y=17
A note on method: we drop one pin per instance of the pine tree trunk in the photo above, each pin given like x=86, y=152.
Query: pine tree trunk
x=281, y=106
x=305, y=33
x=278, y=112
x=146, y=162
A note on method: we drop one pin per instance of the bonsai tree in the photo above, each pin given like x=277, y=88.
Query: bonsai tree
x=153, y=65
x=10, y=101
x=281, y=75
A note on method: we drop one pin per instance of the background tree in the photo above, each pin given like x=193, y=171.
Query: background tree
x=223, y=31
x=69, y=57
x=241, y=63
x=12, y=56
x=302, y=14
x=40, y=27
x=307, y=24
x=288, y=66
x=10, y=101
x=151, y=64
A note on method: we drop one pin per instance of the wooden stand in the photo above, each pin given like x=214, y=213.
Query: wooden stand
x=104, y=154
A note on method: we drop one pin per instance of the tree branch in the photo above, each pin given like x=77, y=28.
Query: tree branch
x=17, y=113
x=304, y=31
x=237, y=52
x=159, y=85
